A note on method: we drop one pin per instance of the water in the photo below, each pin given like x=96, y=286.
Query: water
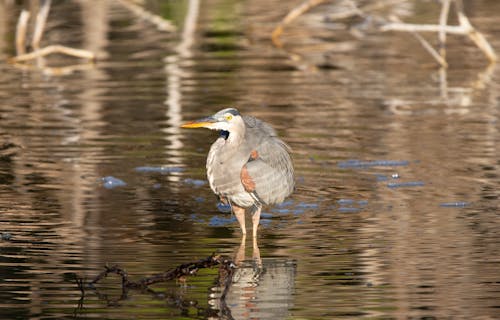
x=396, y=209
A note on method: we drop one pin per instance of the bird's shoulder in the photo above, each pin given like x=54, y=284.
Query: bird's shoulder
x=262, y=139
x=258, y=127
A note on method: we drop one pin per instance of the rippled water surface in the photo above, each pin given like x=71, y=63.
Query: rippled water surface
x=396, y=210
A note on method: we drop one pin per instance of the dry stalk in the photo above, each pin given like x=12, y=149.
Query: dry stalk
x=41, y=20
x=22, y=27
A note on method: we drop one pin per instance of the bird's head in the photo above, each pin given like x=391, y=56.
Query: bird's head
x=228, y=120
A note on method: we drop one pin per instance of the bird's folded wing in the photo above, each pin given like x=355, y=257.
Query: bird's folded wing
x=269, y=172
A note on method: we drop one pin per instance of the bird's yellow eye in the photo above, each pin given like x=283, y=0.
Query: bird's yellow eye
x=229, y=117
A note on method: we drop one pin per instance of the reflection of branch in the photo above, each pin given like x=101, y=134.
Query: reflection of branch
x=55, y=71
x=455, y=99
x=176, y=68
x=172, y=299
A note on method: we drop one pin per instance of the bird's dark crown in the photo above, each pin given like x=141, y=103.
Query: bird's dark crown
x=232, y=111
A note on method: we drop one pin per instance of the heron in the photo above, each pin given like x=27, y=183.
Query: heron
x=248, y=166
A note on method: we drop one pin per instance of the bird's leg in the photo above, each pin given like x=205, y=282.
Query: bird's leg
x=240, y=216
x=255, y=221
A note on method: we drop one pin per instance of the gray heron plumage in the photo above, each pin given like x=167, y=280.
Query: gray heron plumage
x=248, y=166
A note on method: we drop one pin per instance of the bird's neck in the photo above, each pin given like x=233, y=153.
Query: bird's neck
x=235, y=138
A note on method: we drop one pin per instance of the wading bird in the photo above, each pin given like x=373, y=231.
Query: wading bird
x=248, y=166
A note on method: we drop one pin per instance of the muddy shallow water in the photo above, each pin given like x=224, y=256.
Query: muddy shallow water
x=396, y=210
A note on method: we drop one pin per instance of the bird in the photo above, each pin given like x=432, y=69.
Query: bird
x=248, y=165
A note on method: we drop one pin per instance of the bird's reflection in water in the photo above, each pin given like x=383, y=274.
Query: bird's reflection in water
x=261, y=288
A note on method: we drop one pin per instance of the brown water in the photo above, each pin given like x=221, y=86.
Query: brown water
x=396, y=212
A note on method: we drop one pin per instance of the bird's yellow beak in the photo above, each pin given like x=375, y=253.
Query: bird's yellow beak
x=201, y=123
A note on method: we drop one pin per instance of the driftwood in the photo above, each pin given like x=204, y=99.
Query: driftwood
x=464, y=27
x=226, y=272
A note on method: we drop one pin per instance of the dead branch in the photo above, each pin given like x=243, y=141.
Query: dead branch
x=225, y=279
x=427, y=46
x=464, y=28
x=161, y=23
x=84, y=54
x=181, y=271
x=41, y=19
x=292, y=15
x=411, y=27
x=476, y=36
